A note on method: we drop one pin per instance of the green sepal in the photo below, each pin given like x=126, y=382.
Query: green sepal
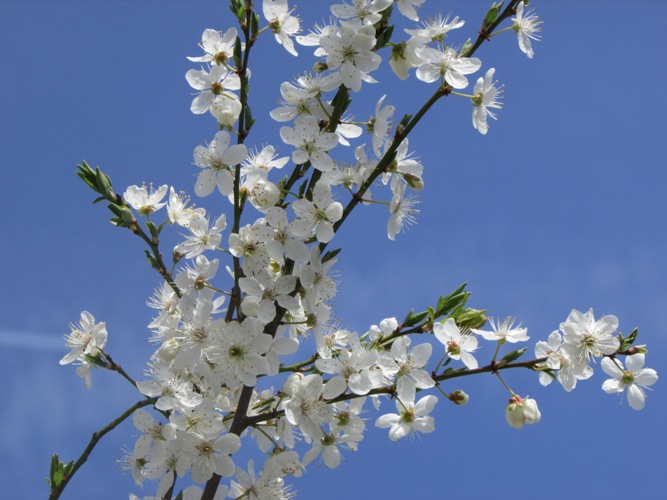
x=330, y=255
x=179, y=496
x=97, y=360
x=626, y=342
x=248, y=120
x=153, y=229
x=465, y=48
x=431, y=313
x=254, y=25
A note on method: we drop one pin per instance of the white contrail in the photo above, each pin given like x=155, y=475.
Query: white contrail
x=34, y=341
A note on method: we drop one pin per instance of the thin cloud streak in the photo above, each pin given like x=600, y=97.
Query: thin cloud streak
x=33, y=341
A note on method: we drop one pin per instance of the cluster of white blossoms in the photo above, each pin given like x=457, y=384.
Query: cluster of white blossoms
x=224, y=338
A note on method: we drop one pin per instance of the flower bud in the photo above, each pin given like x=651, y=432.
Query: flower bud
x=226, y=111
x=458, y=397
x=522, y=411
x=320, y=67
x=414, y=181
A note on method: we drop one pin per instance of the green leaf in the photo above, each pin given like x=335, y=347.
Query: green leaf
x=330, y=255
x=238, y=51
x=626, y=342
x=413, y=319
x=384, y=38
x=492, y=14
x=254, y=25
x=513, y=356
x=153, y=262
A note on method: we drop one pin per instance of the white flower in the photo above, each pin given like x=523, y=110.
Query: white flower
x=351, y=369
x=504, y=332
x=569, y=370
x=238, y=351
x=226, y=110
x=85, y=339
x=328, y=446
x=448, y=65
x=407, y=8
x=435, y=29
x=316, y=217
x=526, y=28
x=179, y=212
x=210, y=455
x=522, y=411
x=201, y=237
x=403, y=211
x=366, y=12
x=404, y=57
x=584, y=337
x=485, y=98
x=410, y=418
x=282, y=23
x=408, y=367
x=217, y=161
x=310, y=143
x=305, y=407
x=379, y=125
x=459, y=346
x=634, y=379
x=219, y=48
x=350, y=50
x=210, y=84
x=139, y=199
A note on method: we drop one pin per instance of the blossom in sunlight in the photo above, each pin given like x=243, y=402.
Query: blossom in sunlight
x=282, y=23
x=585, y=337
x=526, y=27
x=218, y=48
x=143, y=202
x=85, y=339
x=633, y=380
x=504, y=332
x=411, y=418
x=459, y=345
x=485, y=97
x=210, y=84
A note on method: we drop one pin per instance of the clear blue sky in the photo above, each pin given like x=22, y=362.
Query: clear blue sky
x=561, y=205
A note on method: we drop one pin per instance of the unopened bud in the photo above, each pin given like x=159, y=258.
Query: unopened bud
x=458, y=397
x=522, y=411
x=320, y=67
x=414, y=181
x=471, y=318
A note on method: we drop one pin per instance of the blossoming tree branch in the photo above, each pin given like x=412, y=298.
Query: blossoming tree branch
x=219, y=379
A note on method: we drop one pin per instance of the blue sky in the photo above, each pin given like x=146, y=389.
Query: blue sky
x=562, y=205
